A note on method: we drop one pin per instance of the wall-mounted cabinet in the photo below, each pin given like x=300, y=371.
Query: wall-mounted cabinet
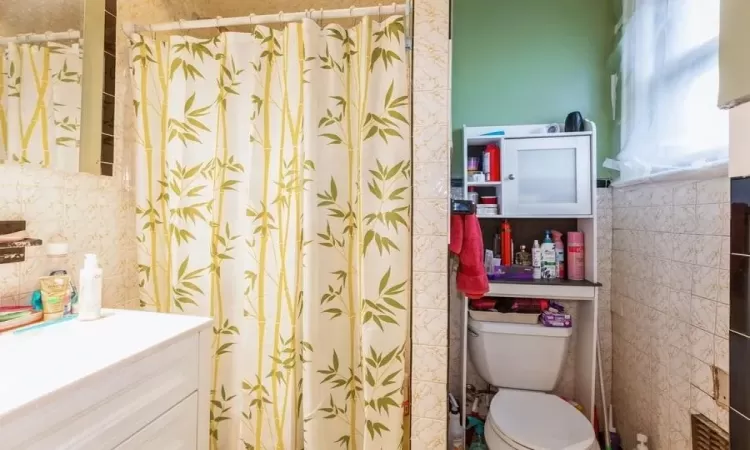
x=543, y=174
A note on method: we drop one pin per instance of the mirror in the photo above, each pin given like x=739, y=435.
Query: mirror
x=57, y=101
x=41, y=67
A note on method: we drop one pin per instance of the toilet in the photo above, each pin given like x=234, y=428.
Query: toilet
x=525, y=362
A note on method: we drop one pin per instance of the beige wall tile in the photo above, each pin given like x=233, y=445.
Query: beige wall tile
x=431, y=142
x=431, y=180
x=430, y=253
x=430, y=364
x=430, y=290
x=431, y=107
x=429, y=400
x=430, y=327
x=431, y=216
x=428, y=434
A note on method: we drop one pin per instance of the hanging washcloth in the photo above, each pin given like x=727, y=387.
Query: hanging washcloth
x=466, y=242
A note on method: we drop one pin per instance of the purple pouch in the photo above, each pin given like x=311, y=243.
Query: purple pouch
x=560, y=320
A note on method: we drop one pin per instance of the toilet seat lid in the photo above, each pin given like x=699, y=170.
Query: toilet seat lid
x=540, y=421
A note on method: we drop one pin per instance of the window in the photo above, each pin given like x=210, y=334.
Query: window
x=670, y=80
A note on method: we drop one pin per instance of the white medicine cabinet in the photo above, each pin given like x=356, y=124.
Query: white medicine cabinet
x=542, y=174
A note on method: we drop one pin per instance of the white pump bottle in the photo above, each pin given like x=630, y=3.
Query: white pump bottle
x=90, y=295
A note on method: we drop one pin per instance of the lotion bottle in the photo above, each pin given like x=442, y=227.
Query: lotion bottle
x=549, y=263
x=536, y=260
x=90, y=295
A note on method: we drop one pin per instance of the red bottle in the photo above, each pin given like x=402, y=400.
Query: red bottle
x=491, y=162
x=506, y=250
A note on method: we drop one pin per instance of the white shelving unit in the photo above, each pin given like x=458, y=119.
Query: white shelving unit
x=546, y=176
x=542, y=174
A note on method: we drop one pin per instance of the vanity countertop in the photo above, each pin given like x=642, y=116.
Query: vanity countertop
x=39, y=362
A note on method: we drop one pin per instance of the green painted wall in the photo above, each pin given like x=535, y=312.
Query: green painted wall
x=531, y=61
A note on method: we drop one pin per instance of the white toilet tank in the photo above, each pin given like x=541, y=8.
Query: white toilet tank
x=518, y=356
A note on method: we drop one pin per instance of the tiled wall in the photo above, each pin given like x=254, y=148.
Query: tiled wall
x=430, y=243
x=670, y=307
x=94, y=215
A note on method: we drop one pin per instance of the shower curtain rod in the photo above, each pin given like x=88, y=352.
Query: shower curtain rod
x=42, y=37
x=281, y=17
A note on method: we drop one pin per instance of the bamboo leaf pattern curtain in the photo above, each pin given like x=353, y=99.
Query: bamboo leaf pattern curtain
x=274, y=194
x=40, y=105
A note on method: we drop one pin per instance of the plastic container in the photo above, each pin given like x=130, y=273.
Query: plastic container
x=473, y=164
x=90, y=296
x=488, y=200
x=576, y=259
x=473, y=194
x=455, y=430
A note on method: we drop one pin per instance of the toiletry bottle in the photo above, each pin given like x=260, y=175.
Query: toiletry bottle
x=455, y=430
x=90, y=296
x=576, y=269
x=548, y=256
x=506, y=247
x=523, y=258
x=491, y=162
x=536, y=260
x=559, y=254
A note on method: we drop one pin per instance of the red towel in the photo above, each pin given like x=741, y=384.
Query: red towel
x=466, y=242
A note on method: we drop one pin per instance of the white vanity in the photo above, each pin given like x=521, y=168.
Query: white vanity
x=131, y=380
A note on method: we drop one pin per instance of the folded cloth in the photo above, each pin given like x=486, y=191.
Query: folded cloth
x=466, y=242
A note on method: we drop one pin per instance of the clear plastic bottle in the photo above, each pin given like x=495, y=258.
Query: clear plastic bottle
x=455, y=430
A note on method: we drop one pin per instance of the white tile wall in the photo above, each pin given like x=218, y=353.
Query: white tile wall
x=430, y=235
x=669, y=307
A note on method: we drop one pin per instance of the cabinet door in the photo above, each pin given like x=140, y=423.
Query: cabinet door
x=174, y=430
x=547, y=176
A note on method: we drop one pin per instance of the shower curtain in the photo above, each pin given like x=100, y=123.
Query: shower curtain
x=273, y=184
x=40, y=105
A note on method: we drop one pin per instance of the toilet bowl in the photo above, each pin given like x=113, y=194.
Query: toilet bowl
x=525, y=362
x=522, y=420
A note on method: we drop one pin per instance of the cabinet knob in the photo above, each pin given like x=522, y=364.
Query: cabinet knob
x=511, y=177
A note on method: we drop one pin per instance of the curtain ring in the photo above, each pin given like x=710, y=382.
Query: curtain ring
x=380, y=13
x=251, y=17
x=351, y=11
x=281, y=16
x=218, y=21
x=394, y=7
x=320, y=19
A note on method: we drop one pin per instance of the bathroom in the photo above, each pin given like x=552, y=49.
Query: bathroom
x=218, y=372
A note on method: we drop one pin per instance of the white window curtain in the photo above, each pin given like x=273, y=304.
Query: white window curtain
x=670, y=80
